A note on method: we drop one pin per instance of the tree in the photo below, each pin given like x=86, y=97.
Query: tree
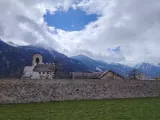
x=157, y=78
x=134, y=74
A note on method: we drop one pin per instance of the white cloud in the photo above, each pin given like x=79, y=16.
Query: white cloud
x=131, y=24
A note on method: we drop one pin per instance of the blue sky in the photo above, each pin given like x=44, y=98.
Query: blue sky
x=70, y=20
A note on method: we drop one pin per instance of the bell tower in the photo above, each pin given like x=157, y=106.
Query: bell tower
x=37, y=59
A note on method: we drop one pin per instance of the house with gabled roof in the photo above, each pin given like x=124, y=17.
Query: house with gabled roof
x=111, y=75
x=97, y=75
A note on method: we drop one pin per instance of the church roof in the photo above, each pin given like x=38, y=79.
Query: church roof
x=44, y=68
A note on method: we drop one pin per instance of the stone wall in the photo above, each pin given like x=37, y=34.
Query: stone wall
x=26, y=91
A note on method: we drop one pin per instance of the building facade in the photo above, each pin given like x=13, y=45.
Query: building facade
x=39, y=70
x=111, y=75
x=83, y=75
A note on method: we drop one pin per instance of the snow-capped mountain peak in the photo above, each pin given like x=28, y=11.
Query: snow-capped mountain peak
x=12, y=44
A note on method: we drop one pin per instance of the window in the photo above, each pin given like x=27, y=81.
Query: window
x=37, y=60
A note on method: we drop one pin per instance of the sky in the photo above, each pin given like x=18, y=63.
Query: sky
x=70, y=20
x=123, y=31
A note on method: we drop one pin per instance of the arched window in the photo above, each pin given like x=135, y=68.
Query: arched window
x=37, y=60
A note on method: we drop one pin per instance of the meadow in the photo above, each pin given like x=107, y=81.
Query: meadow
x=117, y=109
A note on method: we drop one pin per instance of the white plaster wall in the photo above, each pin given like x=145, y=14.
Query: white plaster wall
x=37, y=56
x=27, y=73
x=35, y=75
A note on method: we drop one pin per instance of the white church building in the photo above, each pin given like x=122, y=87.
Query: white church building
x=39, y=70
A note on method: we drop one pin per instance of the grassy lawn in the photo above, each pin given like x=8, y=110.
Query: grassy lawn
x=119, y=109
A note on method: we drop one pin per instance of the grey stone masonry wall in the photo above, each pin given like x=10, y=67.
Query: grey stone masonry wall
x=27, y=91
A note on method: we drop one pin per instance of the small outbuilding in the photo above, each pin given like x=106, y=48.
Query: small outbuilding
x=83, y=75
x=111, y=75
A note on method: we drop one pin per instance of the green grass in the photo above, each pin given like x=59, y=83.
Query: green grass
x=119, y=109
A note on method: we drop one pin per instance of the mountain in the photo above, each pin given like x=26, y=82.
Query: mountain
x=11, y=61
x=12, y=44
x=97, y=65
x=14, y=58
x=90, y=63
x=148, y=69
